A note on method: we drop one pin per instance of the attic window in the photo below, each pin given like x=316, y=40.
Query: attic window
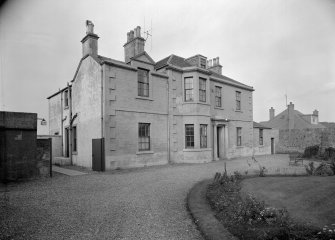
x=203, y=63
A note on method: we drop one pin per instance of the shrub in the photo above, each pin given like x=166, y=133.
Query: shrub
x=310, y=168
x=311, y=151
x=323, y=170
x=329, y=153
x=262, y=171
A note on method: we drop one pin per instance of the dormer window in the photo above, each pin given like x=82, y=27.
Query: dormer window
x=143, y=82
x=203, y=63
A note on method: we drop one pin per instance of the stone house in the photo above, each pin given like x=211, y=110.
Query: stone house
x=149, y=113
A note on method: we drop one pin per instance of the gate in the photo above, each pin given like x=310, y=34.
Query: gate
x=98, y=154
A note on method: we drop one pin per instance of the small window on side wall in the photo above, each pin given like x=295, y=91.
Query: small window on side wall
x=144, y=136
x=260, y=136
x=66, y=98
x=238, y=101
x=239, y=136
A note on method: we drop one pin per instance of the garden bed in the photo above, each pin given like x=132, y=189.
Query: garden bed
x=248, y=218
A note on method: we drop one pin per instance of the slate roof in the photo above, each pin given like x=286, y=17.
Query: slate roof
x=257, y=125
x=281, y=121
x=182, y=63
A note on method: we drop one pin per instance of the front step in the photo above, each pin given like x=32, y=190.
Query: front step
x=61, y=161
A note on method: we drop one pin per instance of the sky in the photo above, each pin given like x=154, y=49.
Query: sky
x=280, y=47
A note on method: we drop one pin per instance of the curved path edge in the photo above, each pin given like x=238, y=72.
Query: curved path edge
x=204, y=216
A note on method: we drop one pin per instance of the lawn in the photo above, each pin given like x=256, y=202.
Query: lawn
x=307, y=199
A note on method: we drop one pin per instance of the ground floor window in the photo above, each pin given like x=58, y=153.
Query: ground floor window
x=239, y=136
x=189, y=135
x=144, y=136
x=203, y=136
x=260, y=136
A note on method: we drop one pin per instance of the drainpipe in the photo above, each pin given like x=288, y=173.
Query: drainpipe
x=102, y=101
x=70, y=127
x=168, y=117
x=61, y=120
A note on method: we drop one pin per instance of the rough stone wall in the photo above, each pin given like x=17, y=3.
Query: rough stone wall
x=43, y=155
x=297, y=140
x=56, y=144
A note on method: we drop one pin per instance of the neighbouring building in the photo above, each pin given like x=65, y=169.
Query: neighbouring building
x=292, y=119
x=22, y=155
x=298, y=131
x=265, y=139
x=139, y=112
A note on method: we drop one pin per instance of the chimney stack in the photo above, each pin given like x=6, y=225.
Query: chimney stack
x=216, y=67
x=134, y=45
x=90, y=41
x=272, y=113
x=290, y=109
x=316, y=112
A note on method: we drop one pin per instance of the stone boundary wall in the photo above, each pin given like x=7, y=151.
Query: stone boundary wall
x=296, y=140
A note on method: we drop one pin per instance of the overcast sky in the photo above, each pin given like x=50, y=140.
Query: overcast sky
x=277, y=46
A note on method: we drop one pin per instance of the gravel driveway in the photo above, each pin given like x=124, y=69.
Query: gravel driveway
x=147, y=203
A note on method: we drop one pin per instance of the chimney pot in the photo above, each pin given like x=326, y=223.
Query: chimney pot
x=89, y=27
x=131, y=35
x=217, y=61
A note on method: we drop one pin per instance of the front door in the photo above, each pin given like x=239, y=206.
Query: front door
x=67, y=142
x=272, y=146
x=220, y=142
x=98, y=154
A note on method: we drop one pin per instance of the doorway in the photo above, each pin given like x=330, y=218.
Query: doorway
x=67, y=142
x=220, y=142
x=272, y=146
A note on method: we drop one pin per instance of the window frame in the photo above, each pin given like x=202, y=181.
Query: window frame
x=261, y=138
x=218, y=99
x=144, y=143
x=238, y=136
x=189, y=136
x=202, y=89
x=203, y=135
x=66, y=98
x=143, y=86
x=238, y=101
x=188, y=89
x=203, y=63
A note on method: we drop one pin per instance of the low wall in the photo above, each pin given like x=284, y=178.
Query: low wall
x=56, y=144
x=296, y=140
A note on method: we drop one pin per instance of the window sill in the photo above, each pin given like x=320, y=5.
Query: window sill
x=219, y=108
x=74, y=153
x=66, y=107
x=238, y=111
x=144, y=98
x=144, y=152
x=196, y=149
x=203, y=103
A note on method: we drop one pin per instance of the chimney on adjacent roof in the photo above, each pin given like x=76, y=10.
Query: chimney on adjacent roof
x=290, y=109
x=272, y=113
x=90, y=41
x=215, y=67
x=134, y=45
x=316, y=112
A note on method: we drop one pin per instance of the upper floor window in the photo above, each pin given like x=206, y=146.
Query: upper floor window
x=202, y=90
x=203, y=136
x=144, y=136
x=188, y=89
x=189, y=135
x=143, y=82
x=239, y=136
x=66, y=98
x=260, y=136
x=218, y=96
x=238, y=100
